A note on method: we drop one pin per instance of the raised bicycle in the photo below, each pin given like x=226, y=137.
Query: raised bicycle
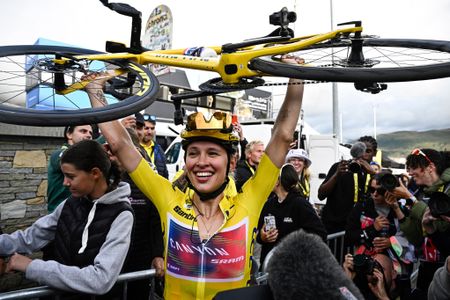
x=34, y=78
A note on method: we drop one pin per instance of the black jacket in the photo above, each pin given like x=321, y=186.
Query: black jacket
x=294, y=213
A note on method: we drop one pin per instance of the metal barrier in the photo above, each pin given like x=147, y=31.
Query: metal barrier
x=44, y=291
x=336, y=243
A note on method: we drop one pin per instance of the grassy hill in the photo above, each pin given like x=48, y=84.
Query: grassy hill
x=400, y=143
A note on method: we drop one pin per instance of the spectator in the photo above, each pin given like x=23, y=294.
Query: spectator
x=84, y=262
x=431, y=170
x=343, y=189
x=301, y=162
x=204, y=226
x=373, y=227
x=154, y=150
x=290, y=210
x=247, y=168
x=440, y=286
x=375, y=166
x=56, y=191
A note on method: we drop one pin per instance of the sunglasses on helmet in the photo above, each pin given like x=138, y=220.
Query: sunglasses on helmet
x=219, y=121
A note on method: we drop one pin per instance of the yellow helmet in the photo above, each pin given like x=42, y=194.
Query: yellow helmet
x=217, y=129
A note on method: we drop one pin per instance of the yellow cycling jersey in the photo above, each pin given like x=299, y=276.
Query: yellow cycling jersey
x=198, y=269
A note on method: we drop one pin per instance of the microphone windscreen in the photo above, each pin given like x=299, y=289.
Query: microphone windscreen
x=303, y=267
x=358, y=149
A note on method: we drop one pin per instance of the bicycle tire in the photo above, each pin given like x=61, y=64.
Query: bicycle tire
x=23, y=74
x=399, y=73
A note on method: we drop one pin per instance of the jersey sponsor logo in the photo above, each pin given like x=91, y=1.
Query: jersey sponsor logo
x=220, y=259
x=182, y=213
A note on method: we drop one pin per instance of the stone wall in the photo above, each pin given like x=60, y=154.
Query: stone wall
x=23, y=179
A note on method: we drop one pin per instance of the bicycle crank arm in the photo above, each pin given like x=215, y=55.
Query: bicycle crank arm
x=82, y=84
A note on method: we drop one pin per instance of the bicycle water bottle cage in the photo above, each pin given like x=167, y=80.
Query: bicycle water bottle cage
x=136, y=23
x=370, y=87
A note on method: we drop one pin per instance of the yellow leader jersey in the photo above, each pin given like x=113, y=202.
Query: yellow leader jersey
x=198, y=269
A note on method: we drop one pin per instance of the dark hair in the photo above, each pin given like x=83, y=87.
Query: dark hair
x=441, y=159
x=70, y=128
x=288, y=177
x=89, y=154
x=377, y=177
x=370, y=140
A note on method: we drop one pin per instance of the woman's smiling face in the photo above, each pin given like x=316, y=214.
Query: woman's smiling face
x=206, y=165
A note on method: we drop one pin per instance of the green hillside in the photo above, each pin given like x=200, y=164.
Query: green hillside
x=400, y=143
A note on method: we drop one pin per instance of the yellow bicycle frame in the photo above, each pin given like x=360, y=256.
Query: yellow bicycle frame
x=239, y=59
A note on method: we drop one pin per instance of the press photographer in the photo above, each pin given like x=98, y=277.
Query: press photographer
x=343, y=188
x=374, y=276
x=373, y=228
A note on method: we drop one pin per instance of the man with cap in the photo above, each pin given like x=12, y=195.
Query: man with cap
x=301, y=162
x=153, y=149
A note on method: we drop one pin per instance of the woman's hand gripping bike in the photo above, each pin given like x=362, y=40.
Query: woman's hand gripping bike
x=36, y=79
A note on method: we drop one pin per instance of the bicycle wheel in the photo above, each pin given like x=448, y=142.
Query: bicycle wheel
x=385, y=60
x=29, y=81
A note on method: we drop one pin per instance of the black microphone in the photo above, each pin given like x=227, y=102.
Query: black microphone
x=358, y=149
x=303, y=267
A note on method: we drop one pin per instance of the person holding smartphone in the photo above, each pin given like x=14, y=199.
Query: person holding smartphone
x=286, y=212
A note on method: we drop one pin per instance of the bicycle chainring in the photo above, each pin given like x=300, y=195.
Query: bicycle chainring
x=216, y=85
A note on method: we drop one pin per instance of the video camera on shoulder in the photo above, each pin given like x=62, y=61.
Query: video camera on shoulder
x=364, y=264
x=439, y=204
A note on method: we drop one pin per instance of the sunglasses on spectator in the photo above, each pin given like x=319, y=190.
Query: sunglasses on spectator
x=380, y=191
x=417, y=151
x=150, y=118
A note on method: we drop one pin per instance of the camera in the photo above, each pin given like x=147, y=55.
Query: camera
x=388, y=181
x=353, y=166
x=439, y=204
x=283, y=17
x=364, y=264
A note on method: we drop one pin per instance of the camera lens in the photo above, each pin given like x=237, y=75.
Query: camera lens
x=354, y=167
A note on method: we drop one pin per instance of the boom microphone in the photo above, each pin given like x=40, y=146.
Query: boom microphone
x=358, y=149
x=303, y=267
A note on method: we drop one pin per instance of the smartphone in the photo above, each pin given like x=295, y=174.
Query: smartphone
x=269, y=223
x=234, y=119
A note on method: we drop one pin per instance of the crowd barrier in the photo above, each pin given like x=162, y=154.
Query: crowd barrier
x=335, y=241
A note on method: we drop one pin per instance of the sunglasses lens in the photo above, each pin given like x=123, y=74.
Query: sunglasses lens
x=149, y=118
x=218, y=120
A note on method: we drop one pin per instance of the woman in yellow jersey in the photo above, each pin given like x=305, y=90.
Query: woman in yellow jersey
x=208, y=233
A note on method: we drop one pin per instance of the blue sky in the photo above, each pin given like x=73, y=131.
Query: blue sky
x=404, y=106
